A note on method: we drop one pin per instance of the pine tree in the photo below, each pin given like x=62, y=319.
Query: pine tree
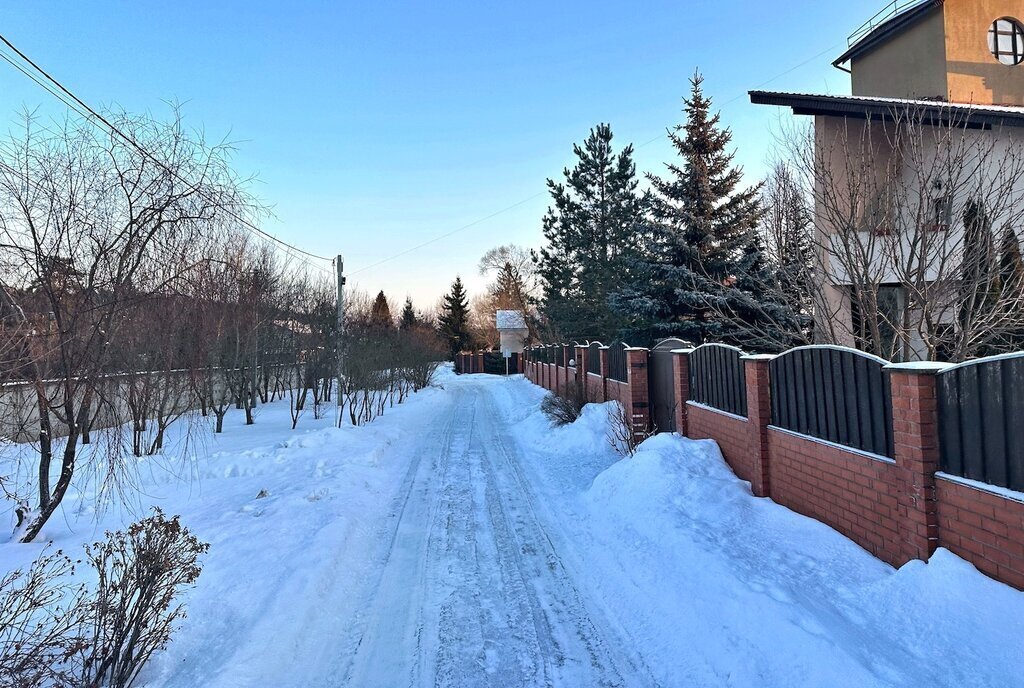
x=380, y=314
x=979, y=272
x=704, y=234
x=592, y=231
x=408, y=319
x=454, y=322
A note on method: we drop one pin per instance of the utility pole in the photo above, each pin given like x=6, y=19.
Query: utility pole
x=339, y=265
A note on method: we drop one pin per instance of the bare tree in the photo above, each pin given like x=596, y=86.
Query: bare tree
x=90, y=226
x=909, y=244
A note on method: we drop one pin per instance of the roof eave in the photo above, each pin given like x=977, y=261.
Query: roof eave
x=940, y=113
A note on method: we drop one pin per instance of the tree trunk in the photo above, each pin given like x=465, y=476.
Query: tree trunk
x=63, y=483
x=45, y=449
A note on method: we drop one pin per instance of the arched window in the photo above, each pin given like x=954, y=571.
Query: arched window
x=1006, y=41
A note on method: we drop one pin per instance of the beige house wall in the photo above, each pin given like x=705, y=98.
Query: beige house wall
x=912, y=64
x=975, y=76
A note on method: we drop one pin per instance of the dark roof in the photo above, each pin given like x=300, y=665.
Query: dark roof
x=870, y=36
x=862, y=107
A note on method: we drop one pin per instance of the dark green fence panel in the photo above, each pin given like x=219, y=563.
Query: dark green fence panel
x=617, y=366
x=981, y=420
x=718, y=379
x=594, y=358
x=835, y=394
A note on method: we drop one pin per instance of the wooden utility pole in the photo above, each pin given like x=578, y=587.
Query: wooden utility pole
x=339, y=266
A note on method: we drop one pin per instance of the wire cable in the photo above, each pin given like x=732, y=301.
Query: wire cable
x=93, y=115
x=659, y=137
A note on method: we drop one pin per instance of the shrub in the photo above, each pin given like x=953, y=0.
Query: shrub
x=42, y=618
x=141, y=573
x=622, y=436
x=563, y=410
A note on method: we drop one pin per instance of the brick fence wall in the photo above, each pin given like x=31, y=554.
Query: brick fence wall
x=897, y=508
x=984, y=528
x=632, y=394
x=848, y=490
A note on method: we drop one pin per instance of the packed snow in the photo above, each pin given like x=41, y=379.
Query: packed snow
x=459, y=540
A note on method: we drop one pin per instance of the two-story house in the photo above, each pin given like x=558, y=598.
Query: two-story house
x=918, y=178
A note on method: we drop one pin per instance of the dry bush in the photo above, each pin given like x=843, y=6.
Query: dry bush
x=141, y=573
x=564, y=410
x=622, y=436
x=42, y=618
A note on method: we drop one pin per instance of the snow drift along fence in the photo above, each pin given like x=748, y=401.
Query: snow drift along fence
x=981, y=420
x=901, y=458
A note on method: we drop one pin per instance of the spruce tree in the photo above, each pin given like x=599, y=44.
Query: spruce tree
x=454, y=321
x=408, y=318
x=592, y=232
x=380, y=313
x=704, y=234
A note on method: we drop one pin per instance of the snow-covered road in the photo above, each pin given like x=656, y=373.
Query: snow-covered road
x=473, y=589
x=460, y=540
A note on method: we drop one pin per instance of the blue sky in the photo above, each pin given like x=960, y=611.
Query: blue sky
x=374, y=127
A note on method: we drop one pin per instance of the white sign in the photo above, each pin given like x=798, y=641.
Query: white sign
x=507, y=353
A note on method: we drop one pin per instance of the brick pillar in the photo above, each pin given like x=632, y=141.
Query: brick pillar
x=916, y=451
x=759, y=417
x=580, y=354
x=681, y=383
x=639, y=393
x=604, y=374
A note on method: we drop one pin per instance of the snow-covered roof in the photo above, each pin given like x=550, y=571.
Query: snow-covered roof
x=511, y=320
x=936, y=111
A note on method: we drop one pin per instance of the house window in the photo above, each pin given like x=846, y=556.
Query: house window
x=1006, y=41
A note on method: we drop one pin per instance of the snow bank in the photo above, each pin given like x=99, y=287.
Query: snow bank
x=293, y=519
x=722, y=588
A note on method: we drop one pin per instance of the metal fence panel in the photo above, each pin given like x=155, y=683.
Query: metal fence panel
x=559, y=354
x=981, y=420
x=836, y=394
x=717, y=378
x=618, y=369
x=594, y=358
x=661, y=384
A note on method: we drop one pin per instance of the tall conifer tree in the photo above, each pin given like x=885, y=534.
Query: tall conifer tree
x=454, y=321
x=592, y=231
x=704, y=233
x=380, y=313
x=408, y=318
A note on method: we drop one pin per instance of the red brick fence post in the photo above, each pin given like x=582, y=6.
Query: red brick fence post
x=759, y=417
x=916, y=451
x=681, y=383
x=639, y=392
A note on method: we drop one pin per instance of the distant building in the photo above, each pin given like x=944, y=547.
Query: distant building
x=920, y=68
x=512, y=330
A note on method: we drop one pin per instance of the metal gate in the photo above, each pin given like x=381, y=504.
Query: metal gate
x=661, y=384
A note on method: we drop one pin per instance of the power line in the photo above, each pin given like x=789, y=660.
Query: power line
x=659, y=137
x=93, y=115
x=454, y=231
